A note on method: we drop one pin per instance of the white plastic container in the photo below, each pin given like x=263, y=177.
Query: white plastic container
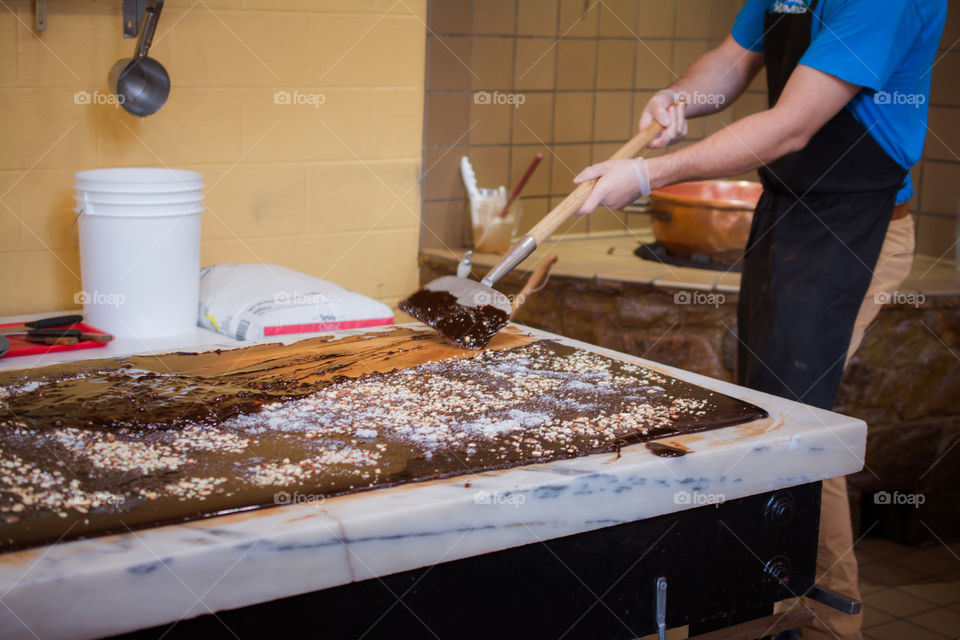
x=140, y=250
x=137, y=180
x=139, y=210
x=106, y=197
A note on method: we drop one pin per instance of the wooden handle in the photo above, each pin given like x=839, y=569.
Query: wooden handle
x=550, y=222
x=535, y=282
x=50, y=340
x=96, y=337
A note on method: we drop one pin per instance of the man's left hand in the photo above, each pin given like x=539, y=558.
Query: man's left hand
x=620, y=183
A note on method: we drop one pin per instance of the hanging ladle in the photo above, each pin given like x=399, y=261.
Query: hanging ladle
x=141, y=83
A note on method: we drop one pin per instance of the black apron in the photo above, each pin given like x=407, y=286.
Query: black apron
x=815, y=240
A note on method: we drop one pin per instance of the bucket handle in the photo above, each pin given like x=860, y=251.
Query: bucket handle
x=73, y=226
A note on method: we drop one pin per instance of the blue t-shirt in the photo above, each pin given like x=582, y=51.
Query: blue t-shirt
x=885, y=46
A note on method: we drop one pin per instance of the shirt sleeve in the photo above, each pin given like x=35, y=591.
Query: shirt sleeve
x=748, y=27
x=862, y=41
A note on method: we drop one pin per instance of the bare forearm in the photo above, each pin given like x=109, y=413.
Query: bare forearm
x=808, y=102
x=721, y=74
x=744, y=145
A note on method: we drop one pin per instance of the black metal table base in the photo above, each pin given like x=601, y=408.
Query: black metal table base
x=723, y=563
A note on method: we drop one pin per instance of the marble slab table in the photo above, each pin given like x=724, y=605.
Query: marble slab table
x=570, y=547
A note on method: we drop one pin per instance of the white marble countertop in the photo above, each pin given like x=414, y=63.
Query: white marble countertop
x=107, y=585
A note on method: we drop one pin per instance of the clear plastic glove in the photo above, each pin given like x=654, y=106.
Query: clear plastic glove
x=620, y=183
x=672, y=116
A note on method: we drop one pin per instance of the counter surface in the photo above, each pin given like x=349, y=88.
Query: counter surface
x=103, y=586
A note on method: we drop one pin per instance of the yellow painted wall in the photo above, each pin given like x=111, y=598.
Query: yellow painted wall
x=331, y=190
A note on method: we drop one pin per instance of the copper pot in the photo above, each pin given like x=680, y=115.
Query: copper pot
x=709, y=216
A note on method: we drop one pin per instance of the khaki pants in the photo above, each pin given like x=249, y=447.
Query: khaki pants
x=836, y=563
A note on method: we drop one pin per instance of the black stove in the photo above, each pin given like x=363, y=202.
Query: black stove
x=653, y=251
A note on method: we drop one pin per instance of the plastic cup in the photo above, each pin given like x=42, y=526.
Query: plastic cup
x=497, y=235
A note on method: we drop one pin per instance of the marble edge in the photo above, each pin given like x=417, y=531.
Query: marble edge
x=310, y=547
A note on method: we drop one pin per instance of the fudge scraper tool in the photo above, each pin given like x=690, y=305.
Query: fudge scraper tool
x=469, y=313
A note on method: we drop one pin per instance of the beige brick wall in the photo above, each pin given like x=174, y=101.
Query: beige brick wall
x=332, y=191
x=585, y=70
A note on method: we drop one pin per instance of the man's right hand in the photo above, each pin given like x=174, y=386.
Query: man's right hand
x=668, y=114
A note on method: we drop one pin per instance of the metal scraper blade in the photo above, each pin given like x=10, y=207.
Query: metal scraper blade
x=462, y=311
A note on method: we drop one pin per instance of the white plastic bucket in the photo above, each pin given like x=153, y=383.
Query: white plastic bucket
x=138, y=180
x=139, y=254
x=139, y=210
x=106, y=197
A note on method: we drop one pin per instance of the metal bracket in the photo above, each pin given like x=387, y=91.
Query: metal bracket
x=662, y=607
x=40, y=9
x=133, y=11
x=835, y=600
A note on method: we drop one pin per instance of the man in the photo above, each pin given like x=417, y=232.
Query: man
x=848, y=84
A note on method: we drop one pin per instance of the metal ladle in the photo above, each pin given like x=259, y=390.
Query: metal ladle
x=141, y=83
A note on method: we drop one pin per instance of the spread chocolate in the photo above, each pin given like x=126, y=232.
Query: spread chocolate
x=103, y=446
x=469, y=327
x=665, y=450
